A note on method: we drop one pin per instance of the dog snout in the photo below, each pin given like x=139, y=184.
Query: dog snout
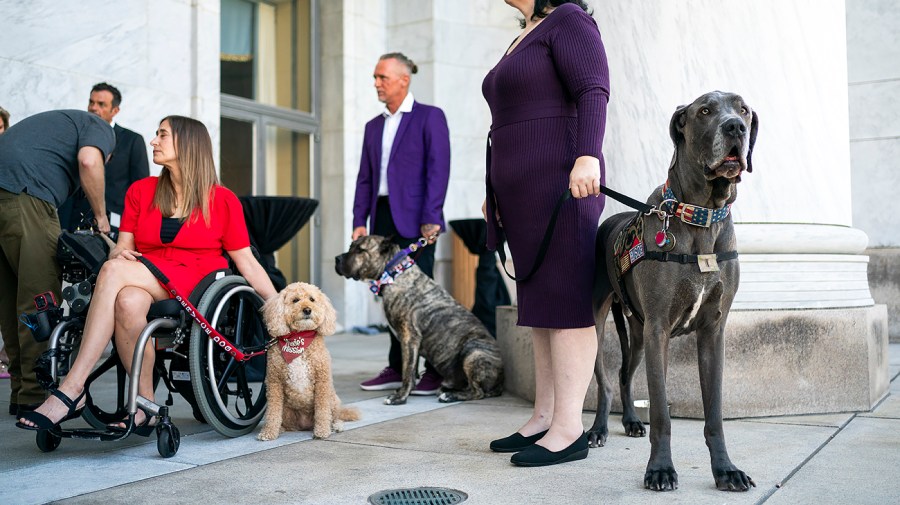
x=307, y=311
x=338, y=260
x=734, y=127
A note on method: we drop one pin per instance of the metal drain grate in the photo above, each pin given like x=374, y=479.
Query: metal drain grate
x=418, y=496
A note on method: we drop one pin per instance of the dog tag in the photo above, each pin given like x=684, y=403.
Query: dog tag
x=661, y=239
x=707, y=263
x=665, y=240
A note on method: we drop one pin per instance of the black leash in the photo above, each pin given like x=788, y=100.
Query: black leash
x=548, y=235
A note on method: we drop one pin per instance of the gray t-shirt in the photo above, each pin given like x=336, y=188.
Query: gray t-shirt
x=39, y=154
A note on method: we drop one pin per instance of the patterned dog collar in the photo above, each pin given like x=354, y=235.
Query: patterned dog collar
x=387, y=277
x=692, y=214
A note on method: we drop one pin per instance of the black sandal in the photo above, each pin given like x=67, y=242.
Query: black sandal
x=145, y=429
x=43, y=422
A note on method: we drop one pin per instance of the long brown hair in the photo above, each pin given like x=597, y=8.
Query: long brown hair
x=194, y=153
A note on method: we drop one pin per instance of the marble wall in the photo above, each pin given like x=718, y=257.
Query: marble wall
x=873, y=51
x=163, y=57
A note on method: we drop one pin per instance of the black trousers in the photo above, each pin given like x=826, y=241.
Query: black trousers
x=384, y=226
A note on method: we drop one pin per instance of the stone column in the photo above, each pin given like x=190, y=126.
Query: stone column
x=804, y=334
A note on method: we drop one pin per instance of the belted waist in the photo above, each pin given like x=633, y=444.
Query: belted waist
x=536, y=110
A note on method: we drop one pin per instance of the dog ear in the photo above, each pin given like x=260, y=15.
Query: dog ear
x=676, y=124
x=327, y=327
x=273, y=315
x=754, y=128
x=386, y=244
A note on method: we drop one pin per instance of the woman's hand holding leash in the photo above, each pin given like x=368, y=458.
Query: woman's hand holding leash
x=584, y=179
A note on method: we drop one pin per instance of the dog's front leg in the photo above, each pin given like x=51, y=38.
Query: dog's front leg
x=711, y=359
x=324, y=399
x=660, y=474
x=274, y=406
x=409, y=346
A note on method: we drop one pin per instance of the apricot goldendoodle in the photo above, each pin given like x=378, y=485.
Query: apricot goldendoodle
x=299, y=386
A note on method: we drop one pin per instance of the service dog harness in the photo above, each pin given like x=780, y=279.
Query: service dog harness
x=630, y=249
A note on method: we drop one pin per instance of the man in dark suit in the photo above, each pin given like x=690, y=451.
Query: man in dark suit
x=128, y=163
x=401, y=187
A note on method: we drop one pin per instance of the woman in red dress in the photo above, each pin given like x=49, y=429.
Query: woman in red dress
x=181, y=221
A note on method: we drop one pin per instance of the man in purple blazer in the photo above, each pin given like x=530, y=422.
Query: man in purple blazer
x=401, y=186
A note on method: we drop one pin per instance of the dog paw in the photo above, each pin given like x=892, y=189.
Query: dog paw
x=665, y=479
x=634, y=427
x=733, y=480
x=321, y=434
x=447, y=397
x=267, y=435
x=395, y=400
x=597, y=438
x=338, y=426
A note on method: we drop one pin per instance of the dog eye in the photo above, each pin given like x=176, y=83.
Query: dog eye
x=744, y=111
x=295, y=300
x=704, y=111
x=312, y=299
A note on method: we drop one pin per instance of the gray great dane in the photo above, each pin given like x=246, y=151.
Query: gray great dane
x=677, y=276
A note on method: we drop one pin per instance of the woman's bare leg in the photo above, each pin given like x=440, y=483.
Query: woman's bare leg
x=542, y=415
x=132, y=306
x=572, y=353
x=99, y=326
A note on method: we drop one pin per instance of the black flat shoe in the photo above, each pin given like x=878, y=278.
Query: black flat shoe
x=541, y=456
x=516, y=442
x=43, y=422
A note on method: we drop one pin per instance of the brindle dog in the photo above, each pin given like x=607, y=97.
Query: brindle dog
x=428, y=321
x=714, y=138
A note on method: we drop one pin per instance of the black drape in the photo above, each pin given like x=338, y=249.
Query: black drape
x=490, y=290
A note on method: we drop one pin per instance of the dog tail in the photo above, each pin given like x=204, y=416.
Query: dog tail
x=348, y=414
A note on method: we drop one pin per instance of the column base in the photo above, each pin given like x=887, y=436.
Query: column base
x=777, y=362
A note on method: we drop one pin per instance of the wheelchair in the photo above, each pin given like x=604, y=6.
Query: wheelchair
x=225, y=392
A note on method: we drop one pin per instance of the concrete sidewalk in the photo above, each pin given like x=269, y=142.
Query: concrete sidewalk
x=837, y=458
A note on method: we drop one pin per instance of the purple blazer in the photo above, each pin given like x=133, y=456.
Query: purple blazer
x=418, y=171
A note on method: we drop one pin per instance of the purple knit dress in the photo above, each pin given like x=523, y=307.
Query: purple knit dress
x=548, y=107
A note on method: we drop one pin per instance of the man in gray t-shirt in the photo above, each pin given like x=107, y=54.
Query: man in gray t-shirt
x=43, y=159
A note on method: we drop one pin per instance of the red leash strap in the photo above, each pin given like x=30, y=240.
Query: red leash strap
x=192, y=311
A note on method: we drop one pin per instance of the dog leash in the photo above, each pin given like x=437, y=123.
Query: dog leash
x=207, y=328
x=642, y=207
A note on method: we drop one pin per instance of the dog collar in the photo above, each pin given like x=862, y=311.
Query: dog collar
x=294, y=343
x=692, y=214
x=387, y=277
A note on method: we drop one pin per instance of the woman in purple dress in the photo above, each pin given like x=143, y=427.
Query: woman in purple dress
x=548, y=97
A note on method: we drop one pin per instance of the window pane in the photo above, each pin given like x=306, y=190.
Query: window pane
x=288, y=174
x=236, y=171
x=283, y=54
x=237, y=37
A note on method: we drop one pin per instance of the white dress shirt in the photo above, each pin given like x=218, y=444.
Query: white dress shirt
x=391, y=124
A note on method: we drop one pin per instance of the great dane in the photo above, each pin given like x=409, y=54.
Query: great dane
x=675, y=272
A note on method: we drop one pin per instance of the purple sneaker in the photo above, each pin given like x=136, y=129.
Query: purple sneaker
x=386, y=379
x=429, y=384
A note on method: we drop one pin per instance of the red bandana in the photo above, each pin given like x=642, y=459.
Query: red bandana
x=293, y=344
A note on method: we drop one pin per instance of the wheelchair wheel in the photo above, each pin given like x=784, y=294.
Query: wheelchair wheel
x=46, y=441
x=168, y=439
x=230, y=394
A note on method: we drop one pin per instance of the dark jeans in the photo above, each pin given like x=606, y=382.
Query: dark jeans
x=384, y=226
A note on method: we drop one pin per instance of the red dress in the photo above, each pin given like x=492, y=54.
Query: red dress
x=197, y=249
